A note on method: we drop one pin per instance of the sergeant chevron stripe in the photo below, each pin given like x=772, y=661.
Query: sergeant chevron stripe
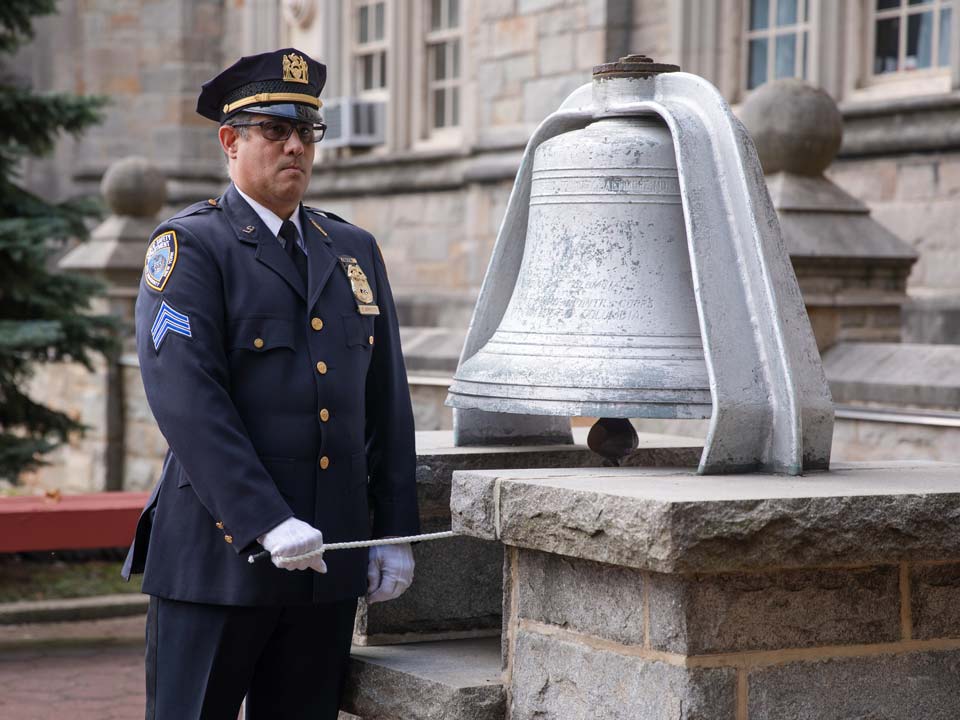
x=169, y=320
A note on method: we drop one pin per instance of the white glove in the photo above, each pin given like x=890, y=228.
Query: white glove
x=389, y=572
x=294, y=537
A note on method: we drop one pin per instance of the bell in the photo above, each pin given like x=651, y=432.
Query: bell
x=640, y=272
x=602, y=321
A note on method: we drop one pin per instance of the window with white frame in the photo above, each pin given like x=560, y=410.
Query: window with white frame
x=856, y=50
x=909, y=35
x=370, y=45
x=776, y=40
x=443, y=41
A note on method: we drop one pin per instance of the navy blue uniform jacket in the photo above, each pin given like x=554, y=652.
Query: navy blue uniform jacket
x=241, y=403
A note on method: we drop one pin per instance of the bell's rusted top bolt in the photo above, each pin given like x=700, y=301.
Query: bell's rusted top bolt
x=639, y=66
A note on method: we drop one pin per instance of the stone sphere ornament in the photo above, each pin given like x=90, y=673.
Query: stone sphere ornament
x=796, y=127
x=135, y=187
x=299, y=13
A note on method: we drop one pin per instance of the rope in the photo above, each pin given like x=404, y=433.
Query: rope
x=360, y=544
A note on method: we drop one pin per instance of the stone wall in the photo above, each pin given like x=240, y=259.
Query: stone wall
x=641, y=594
x=784, y=644
x=148, y=57
x=432, y=241
x=79, y=464
x=918, y=198
x=530, y=54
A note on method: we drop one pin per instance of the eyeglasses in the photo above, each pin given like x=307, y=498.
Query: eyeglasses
x=279, y=130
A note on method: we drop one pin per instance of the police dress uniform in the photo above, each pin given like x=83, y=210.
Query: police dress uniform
x=278, y=398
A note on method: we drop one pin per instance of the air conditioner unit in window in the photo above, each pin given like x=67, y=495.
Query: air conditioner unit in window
x=353, y=123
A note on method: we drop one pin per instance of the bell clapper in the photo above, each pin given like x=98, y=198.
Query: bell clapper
x=613, y=439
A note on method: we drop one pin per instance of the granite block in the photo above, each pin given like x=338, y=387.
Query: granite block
x=733, y=612
x=558, y=679
x=457, y=587
x=935, y=601
x=453, y=680
x=587, y=597
x=675, y=521
x=887, y=687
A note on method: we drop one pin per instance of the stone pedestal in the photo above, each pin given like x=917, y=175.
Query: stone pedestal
x=852, y=271
x=134, y=190
x=645, y=593
x=457, y=592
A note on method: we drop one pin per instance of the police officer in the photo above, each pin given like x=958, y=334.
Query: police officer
x=270, y=355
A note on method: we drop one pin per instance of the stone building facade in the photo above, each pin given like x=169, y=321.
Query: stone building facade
x=432, y=183
x=435, y=100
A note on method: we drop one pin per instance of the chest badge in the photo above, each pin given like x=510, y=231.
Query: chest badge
x=360, y=285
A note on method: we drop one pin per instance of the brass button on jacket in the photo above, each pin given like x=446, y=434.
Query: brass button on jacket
x=370, y=339
x=324, y=462
x=228, y=538
x=316, y=323
x=324, y=414
x=322, y=367
x=220, y=525
x=258, y=343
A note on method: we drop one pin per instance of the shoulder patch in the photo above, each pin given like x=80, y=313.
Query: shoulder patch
x=161, y=259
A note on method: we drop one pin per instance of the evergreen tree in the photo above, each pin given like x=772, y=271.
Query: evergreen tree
x=44, y=316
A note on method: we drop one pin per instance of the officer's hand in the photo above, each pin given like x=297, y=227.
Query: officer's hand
x=389, y=572
x=294, y=537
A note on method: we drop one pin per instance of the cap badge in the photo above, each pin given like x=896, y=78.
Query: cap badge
x=295, y=69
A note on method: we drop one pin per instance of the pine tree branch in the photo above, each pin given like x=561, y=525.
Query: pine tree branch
x=32, y=121
x=45, y=315
x=16, y=21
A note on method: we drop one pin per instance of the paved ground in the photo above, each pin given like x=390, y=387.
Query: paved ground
x=72, y=671
x=90, y=670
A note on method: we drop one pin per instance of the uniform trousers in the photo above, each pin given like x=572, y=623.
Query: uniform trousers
x=290, y=661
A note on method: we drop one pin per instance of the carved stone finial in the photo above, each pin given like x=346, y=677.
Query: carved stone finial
x=796, y=127
x=135, y=187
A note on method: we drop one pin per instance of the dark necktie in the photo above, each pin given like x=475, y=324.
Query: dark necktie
x=288, y=231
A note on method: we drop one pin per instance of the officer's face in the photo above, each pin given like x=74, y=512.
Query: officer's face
x=275, y=173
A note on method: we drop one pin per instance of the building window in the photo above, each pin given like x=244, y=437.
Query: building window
x=910, y=35
x=776, y=36
x=370, y=47
x=443, y=49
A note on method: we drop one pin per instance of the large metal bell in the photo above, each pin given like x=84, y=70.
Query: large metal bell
x=602, y=320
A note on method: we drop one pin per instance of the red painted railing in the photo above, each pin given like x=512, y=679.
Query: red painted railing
x=69, y=522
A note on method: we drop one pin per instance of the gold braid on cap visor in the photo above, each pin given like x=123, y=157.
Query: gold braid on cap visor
x=273, y=97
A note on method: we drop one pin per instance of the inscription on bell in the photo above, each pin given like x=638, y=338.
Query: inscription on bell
x=625, y=187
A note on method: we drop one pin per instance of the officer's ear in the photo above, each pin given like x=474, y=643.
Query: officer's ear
x=229, y=139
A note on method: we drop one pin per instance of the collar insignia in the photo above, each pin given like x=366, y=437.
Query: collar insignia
x=295, y=69
x=317, y=226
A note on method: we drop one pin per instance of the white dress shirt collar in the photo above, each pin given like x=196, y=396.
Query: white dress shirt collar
x=271, y=219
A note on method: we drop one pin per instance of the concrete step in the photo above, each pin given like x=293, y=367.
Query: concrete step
x=74, y=609
x=447, y=680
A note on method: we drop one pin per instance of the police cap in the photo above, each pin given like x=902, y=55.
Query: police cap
x=285, y=83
